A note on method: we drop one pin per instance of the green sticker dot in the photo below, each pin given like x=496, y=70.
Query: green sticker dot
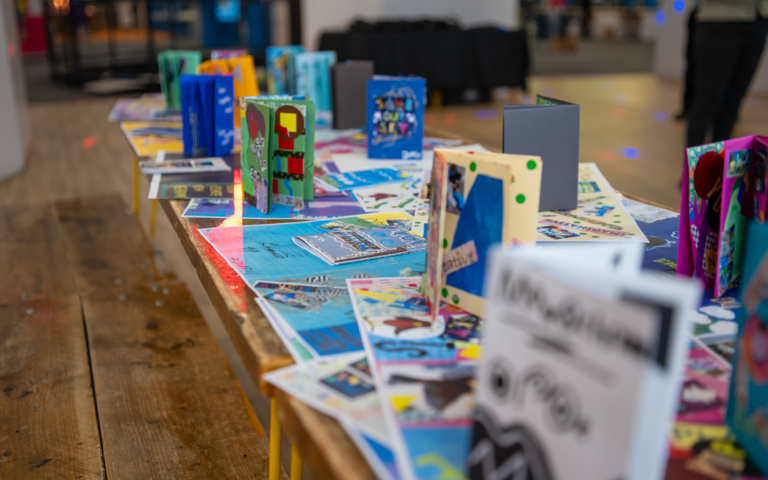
x=531, y=164
x=595, y=236
x=617, y=215
x=455, y=298
x=520, y=198
x=473, y=166
x=617, y=221
x=576, y=221
x=445, y=243
x=582, y=233
x=445, y=292
x=599, y=203
x=632, y=234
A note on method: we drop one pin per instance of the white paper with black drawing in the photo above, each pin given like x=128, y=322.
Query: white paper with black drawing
x=571, y=360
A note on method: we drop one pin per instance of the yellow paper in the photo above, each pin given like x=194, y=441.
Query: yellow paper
x=148, y=145
x=505, y=216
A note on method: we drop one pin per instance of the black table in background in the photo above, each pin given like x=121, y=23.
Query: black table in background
x=451, y=61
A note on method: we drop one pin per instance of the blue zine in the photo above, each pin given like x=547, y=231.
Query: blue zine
x=267, y=252
x=364, y=178
x=396, y=117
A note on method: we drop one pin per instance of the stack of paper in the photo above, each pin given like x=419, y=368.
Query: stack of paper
x=345, y=246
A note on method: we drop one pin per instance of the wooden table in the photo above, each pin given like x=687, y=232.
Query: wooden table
x=317, y=438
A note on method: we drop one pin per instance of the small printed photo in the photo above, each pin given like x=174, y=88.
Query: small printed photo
x=760, y=168
x=738, y=163
x=454, y=203
x=556, y=233
x=347, y=384
x=597, y=210
x=589, y=187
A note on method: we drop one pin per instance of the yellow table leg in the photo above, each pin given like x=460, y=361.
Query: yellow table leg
x=136, y=185
x=152, y=217
x=274, y=443
x=297, y=464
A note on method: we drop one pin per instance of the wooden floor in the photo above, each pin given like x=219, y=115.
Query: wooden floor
x=76, y=152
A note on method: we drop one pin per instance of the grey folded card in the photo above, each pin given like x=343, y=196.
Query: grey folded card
x=549, y=129
x=349, y=83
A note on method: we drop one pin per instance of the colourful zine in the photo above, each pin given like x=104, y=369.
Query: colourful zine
x=723, y=188
x=256, y=127
x=172, y=64
x=396, y=117
x=243, y=74
x=478, y=200
x=747, y=412
x=281, y=74
x=206, y=113
x=291, y=149
x=313, y=78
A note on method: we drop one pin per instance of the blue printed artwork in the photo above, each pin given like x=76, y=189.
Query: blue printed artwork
x=396, y=117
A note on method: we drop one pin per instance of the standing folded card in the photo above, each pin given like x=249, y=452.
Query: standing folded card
x=340, y=247
x=257, y=127
x=313, y=78
x=477, y=200
x=581, y=370
x=207, y=115
x=396, y=117
x=723, y=188
x=243, y=75
x=291, y=149
x=528, y=130
x=281, y=73
x=172, y=64
x=747, y=415
x=349, y=82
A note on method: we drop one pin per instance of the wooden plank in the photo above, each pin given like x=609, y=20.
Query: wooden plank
x=327, y=449
x=253, y=336
x=168, y=403
x=49, y=427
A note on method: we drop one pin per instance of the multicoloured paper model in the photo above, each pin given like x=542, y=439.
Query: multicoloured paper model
x=172, y=64
x=478, y=200
x=724, y=186
x=291, y=149
x=748, y=399
x=396, y=117
x=257, y=127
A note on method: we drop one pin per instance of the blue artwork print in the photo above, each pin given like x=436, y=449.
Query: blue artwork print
x=480, y=221
x=433, y=456
x=396, y=117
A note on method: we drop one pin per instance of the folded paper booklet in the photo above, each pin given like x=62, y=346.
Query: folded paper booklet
x=339, y=247
x=581, y=369
x=528, y=131
x=724, y=187
x=477, y=200
x=349, y=83
x=192, y=165
x=243, y=74
x=748, y=396
x=396, y=117
x=172, y=64
x=278, y=151
x=313, y=78
x=207, y=115
x=281, y=71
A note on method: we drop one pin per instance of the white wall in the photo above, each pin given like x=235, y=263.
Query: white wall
x=669, y=54
x=14, y=133
x=320, y=15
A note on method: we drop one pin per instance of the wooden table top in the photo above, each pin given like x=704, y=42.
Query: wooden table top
x=325, y=446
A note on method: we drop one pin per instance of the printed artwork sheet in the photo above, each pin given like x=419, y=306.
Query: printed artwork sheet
x=267, y=252
x=148, y=107
x=424, y=373
x=340, y=386
x=192, y=165
x=318, y=318
x=148, y=138
x=600, y=216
